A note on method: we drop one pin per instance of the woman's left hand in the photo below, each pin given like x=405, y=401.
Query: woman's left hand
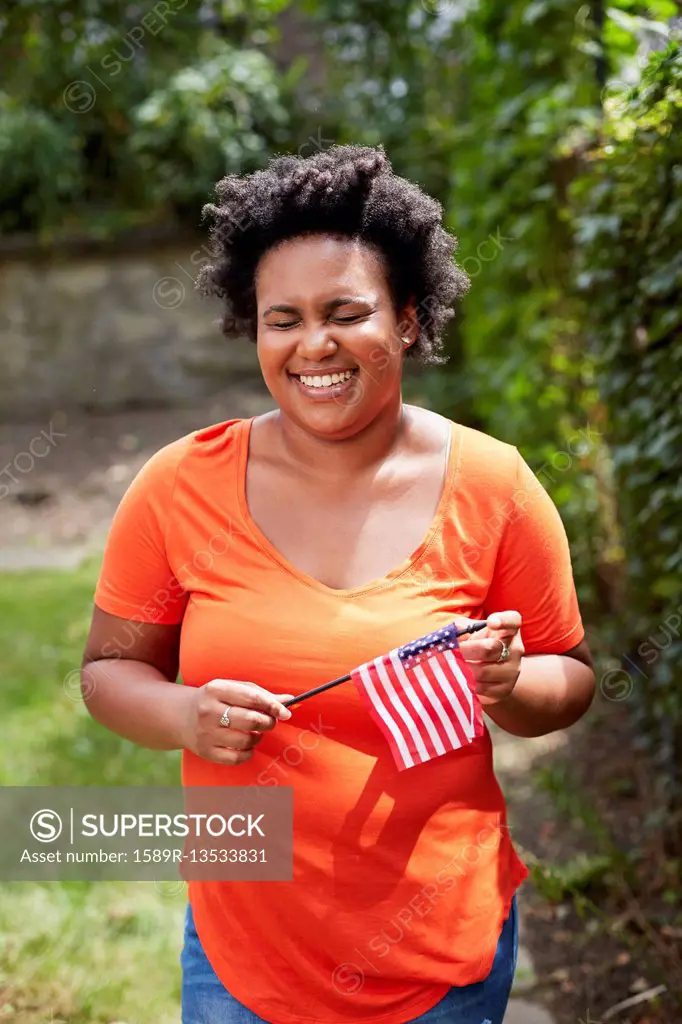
x=495, y=679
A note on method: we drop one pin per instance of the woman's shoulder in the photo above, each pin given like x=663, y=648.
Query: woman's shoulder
x=486, y=465
x=217, y=437
x=161, y=468
x=479, y=445
x=480, y=458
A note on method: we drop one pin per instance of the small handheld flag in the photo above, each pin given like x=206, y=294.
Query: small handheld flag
x=421, y=696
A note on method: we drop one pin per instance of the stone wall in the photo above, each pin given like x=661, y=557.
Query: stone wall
x=103, y=327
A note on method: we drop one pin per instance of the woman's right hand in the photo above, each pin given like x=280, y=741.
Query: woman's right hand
x=252, y=712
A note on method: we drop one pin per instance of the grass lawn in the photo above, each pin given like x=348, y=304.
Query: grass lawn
x=76, y=952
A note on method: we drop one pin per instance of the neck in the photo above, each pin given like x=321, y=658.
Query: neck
x=346, y=457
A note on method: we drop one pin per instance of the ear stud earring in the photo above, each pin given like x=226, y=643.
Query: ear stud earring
x=405, y=340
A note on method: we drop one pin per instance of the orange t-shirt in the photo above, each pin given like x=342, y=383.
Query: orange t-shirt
x=402, y=880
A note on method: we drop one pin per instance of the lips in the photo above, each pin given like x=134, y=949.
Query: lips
x=327, y=379
x=333, y=383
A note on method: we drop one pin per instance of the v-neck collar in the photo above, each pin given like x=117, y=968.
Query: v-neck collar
x=452, y=465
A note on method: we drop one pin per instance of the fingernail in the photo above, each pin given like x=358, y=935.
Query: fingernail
x=495, y=622
x=285, y=713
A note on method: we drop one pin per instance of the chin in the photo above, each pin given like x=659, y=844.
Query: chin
x=333, y=413
x=330, y=420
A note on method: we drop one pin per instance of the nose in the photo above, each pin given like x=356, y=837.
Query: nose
x=315, y=342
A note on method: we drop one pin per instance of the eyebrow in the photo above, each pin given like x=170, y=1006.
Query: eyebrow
x=342, y=300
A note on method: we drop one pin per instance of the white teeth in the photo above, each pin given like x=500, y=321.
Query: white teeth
x=327, y=380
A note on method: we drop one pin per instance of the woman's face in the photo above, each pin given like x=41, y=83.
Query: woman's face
x=329, y=340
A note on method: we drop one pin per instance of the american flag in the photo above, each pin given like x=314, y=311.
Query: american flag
x=422, y=697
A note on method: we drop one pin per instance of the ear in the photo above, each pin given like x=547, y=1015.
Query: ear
x=408, y=324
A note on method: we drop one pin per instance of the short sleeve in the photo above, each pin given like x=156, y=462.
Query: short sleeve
x=136, y=580
x=533, y=573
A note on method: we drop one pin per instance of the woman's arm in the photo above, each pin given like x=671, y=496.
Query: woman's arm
x=529, y=694
x=551, y=686
x=552, y=692
x=130, y=666
x=132, y=693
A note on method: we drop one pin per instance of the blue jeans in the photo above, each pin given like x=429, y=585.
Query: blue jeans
x=205, y=1000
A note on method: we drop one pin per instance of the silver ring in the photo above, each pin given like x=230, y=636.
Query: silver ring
x=225, y=718
x=505, y=653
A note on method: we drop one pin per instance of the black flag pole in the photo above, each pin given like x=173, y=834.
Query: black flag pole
x=472, y=627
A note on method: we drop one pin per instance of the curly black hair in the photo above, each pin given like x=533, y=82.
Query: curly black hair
x=347, y=191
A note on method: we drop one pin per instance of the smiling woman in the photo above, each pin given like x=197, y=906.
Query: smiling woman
x=352, y=520
x=342, y=268
x=325, y=342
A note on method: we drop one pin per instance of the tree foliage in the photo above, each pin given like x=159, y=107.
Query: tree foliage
x=630, y=270
x=116, y=113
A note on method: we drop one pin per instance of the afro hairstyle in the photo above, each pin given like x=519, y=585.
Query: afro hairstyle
x=347, y=191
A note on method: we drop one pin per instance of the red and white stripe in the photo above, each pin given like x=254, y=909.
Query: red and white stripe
x=424, y=711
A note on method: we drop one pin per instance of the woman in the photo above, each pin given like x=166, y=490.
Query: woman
x=264, y=556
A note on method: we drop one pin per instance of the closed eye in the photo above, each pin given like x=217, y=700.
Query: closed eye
x=352, y=318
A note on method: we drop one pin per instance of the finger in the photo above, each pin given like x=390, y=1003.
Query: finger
x=247, y=695
x=505, y=623
x=490, y=677
x=244, y=719
x=238, y=740
x=223, y=755
x=482, y=650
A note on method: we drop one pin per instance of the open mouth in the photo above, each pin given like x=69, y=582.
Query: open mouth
x=325, y=385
